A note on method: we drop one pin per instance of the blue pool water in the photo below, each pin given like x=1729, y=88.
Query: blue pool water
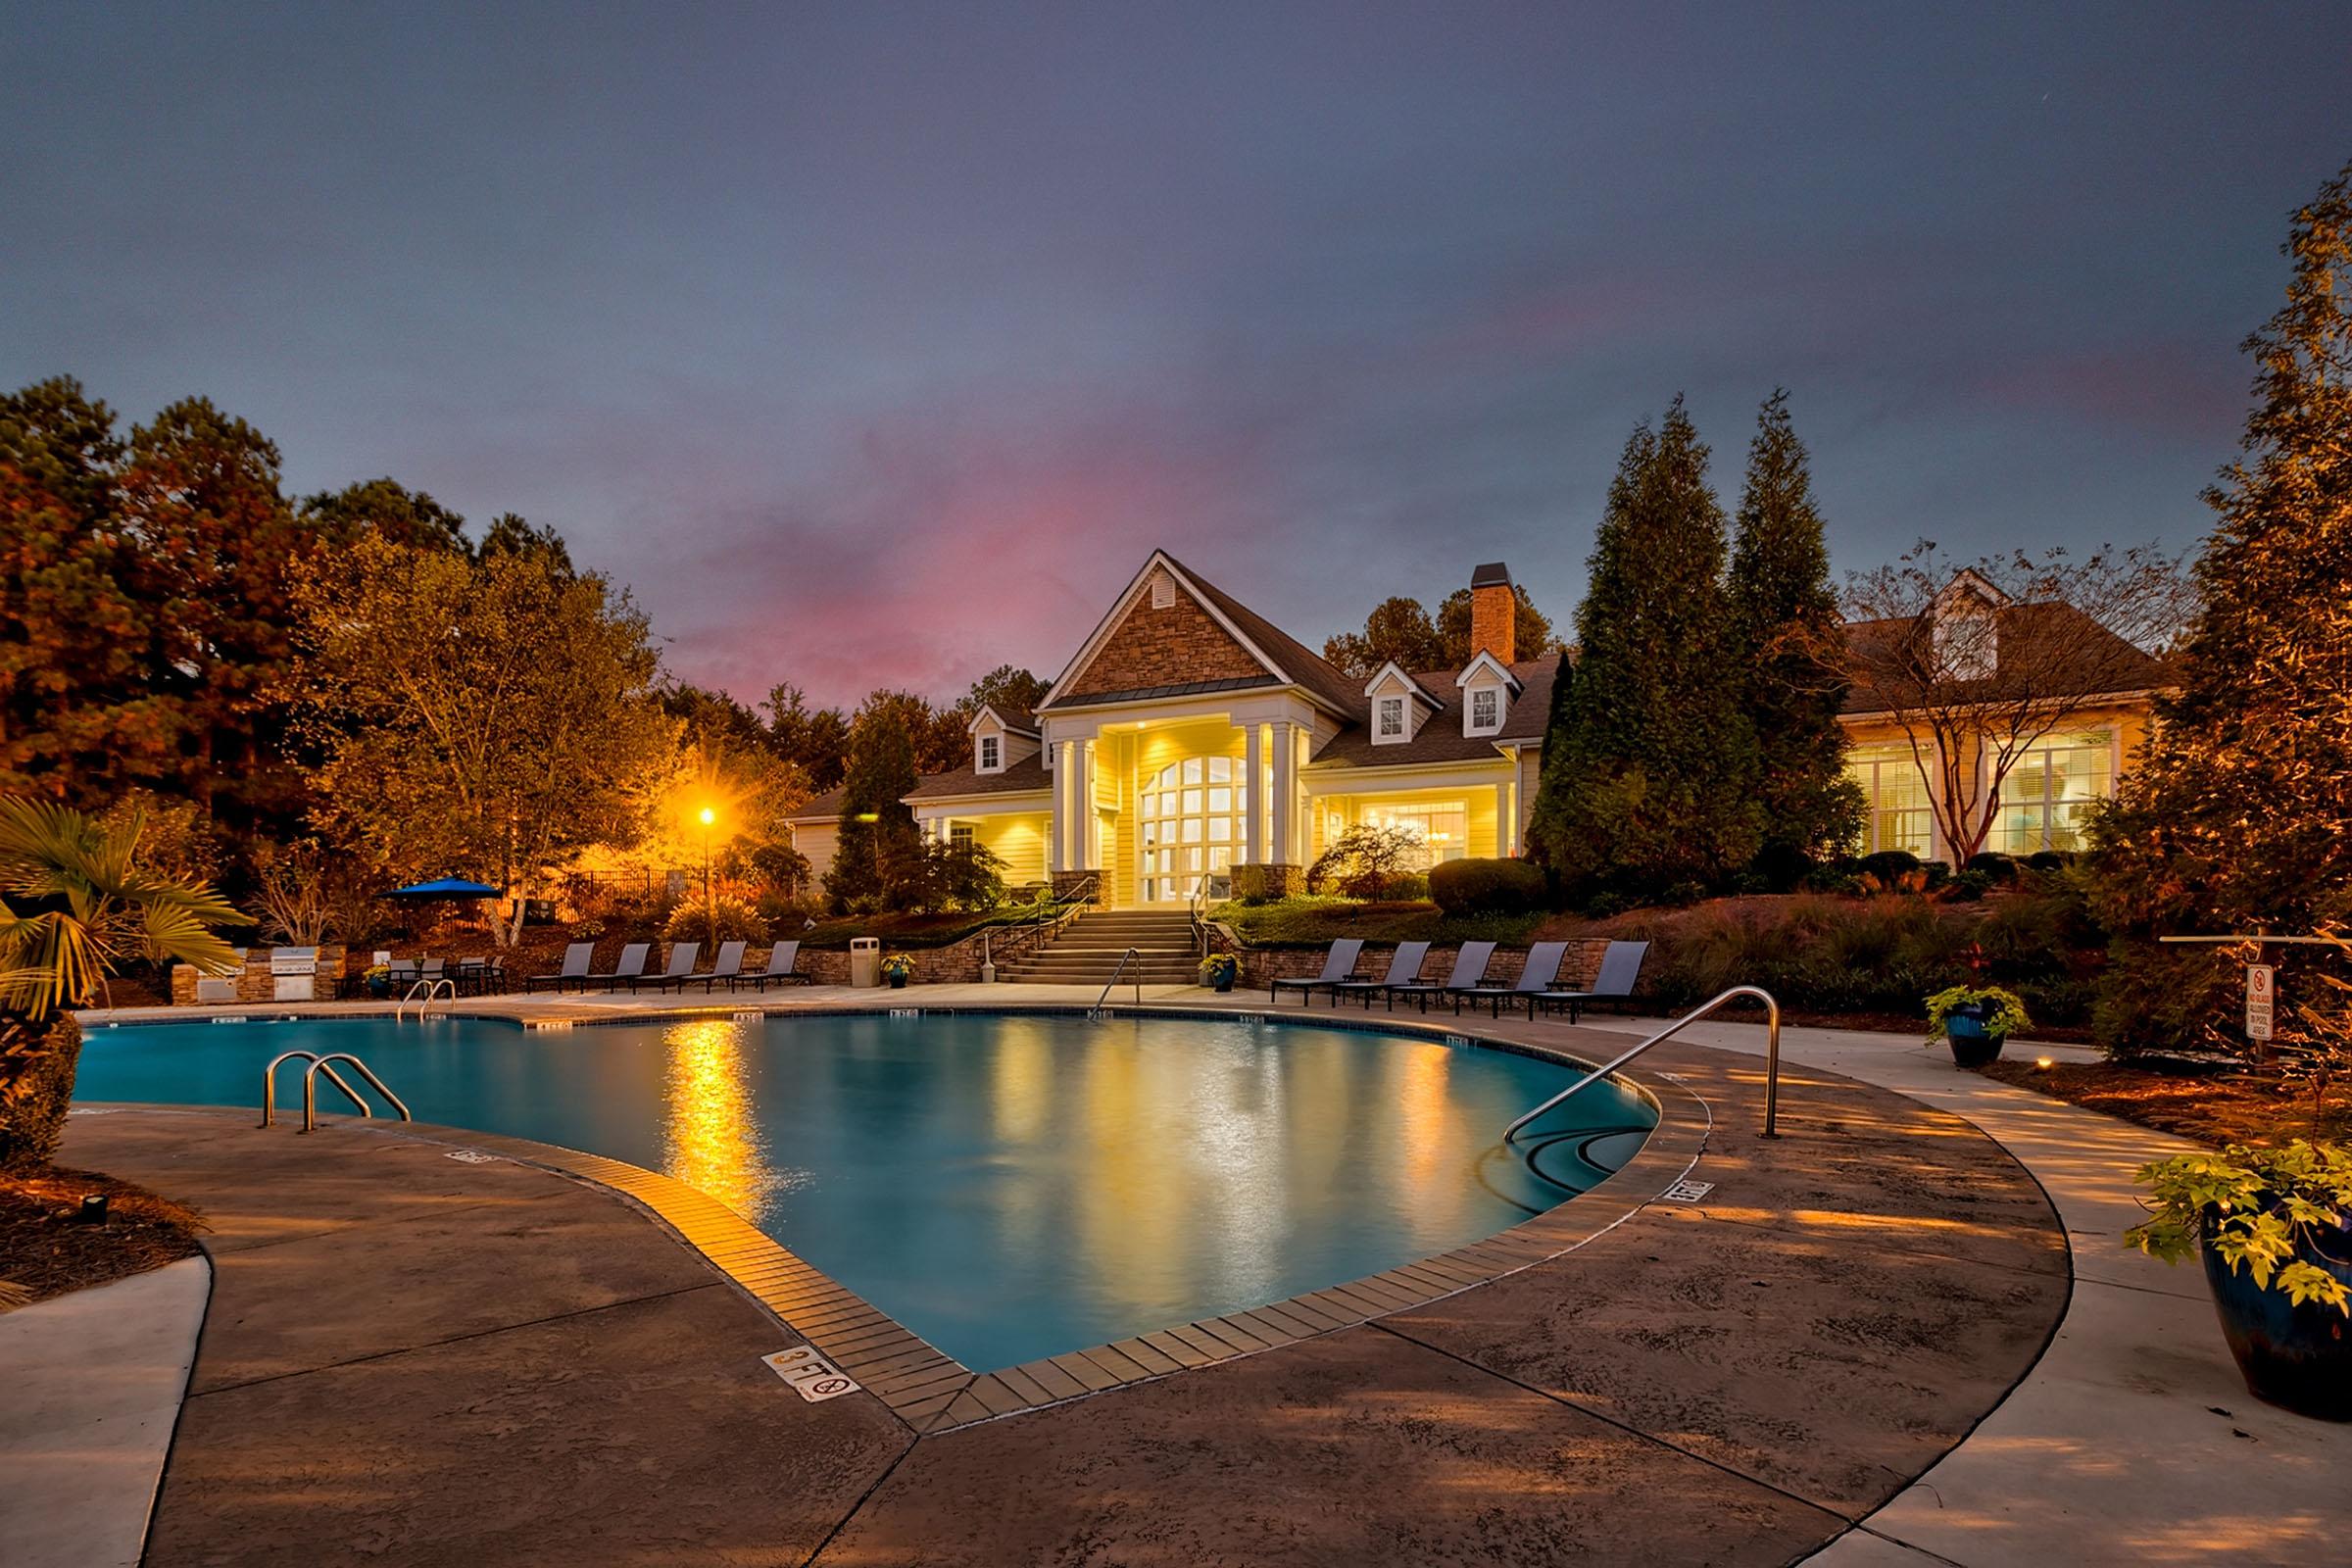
x=1006, y=1186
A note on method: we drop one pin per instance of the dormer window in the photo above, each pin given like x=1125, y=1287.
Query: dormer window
x=1391, y=720
x=992, y=754
x=1485, y=710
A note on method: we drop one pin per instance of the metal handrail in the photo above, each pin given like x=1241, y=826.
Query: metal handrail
x=310, y=1089
x=431, y=987
x=270, y=1087
x=1194, y=907
x=1772, y=1058
x=1135, y=953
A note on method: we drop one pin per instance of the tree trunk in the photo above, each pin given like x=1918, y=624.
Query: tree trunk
x=36, y=1084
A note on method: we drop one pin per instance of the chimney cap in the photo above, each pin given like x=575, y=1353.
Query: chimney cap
x=1493, y=575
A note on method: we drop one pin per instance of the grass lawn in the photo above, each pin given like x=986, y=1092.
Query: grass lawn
x=1311, y=922
x=2221, y=1107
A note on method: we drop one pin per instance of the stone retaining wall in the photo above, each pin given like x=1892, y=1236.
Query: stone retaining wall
x=1261, y=966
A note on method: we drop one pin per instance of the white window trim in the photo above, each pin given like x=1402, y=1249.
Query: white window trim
x=1470, y=723
x=1382, y=708
x=981, y=758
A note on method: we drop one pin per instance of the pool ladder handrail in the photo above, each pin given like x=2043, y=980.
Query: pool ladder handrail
x=1772, y=1058
x=1137, y=953
x=309, y=1086
x=431, y=986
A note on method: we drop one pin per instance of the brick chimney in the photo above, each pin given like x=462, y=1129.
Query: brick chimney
x=1493, y=613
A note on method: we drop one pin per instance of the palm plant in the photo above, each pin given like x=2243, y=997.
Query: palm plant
x=74, y=906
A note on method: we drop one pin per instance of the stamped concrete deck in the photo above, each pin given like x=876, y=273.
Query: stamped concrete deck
x=419, y=1359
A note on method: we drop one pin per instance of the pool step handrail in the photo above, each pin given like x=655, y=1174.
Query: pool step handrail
x=269, y=1085
x=310, y=1089
x=1772, y=1058
x=1135, y=953
x=431, y=986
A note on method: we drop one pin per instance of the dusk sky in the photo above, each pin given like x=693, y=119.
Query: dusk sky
x=876, y=345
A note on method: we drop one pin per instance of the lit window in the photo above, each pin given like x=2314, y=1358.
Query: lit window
x=959, y=835
x=1392, y=718
x=1900, y=814
x=1444, y=829
x=2044, y=796
x=989, y=753
x=1485, y=708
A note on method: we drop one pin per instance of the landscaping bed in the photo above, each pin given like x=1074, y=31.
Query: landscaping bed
x=46, y=1249
x=2213, y=1108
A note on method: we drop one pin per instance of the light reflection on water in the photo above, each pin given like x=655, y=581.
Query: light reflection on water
x=1007, y=1187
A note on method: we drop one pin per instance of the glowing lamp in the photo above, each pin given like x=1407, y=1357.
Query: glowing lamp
x=2045, y=1063
x=708, y=816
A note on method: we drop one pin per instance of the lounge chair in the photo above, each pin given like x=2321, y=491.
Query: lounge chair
x=728, y=967
x=783, y=968
x=1405, y=964
x=1469, y=968
x=1620, y=967
x=681, y=964
x=577, y=959
x=1337, y=965
x=630, y=966
x=1535, y=977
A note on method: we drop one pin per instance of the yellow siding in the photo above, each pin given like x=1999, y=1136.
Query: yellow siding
x=1018, y=840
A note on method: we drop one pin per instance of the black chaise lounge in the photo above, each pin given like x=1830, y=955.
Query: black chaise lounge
x=783, y=968
x=1403, y=965
x=1620, y=967
x=630, y=966
x=1536, y=978
x=681, y=964
x=1469, y=968
x=1338, y=965
x=727, y=968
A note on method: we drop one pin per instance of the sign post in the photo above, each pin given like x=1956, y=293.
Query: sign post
x=2262, y=981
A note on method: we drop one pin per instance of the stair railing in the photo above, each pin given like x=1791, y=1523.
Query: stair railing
x=1137, y=953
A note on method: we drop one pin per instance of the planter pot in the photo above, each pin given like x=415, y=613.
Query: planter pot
x=897, y=982
x=1972, y=1045
x=378, y=986
x=1222, y=984
x=2296, y=1358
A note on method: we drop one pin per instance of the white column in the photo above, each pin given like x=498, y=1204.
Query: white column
x=1285, y=793
x=1253, y=797
x=1065, y=764
x=1085, y=783
x=1506, y=822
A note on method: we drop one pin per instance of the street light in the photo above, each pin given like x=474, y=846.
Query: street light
x=709, y=903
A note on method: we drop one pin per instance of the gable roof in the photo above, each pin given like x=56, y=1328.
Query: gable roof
x=1440, y=738
x=1278, y=659
x=1391, y=667
x=1024, y=777
x=2034, y=635
x=1013, y=721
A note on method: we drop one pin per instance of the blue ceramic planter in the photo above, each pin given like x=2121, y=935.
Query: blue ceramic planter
x=2296, y=1358
x=1972, y=1045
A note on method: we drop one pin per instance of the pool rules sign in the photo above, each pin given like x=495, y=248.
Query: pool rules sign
x=2262, y=981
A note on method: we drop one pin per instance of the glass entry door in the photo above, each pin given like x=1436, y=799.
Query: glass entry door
x=1188, y=819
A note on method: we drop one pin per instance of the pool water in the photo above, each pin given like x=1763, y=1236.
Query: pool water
x=1007, y=1186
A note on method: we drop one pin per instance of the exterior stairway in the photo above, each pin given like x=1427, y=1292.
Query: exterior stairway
x=1086, y=949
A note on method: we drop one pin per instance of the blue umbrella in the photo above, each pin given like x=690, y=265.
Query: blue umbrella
x=448, y=887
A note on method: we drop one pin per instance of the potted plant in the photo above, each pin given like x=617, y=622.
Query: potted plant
x=2273, y=1227
x=897, y=970
x=1219, y=969
x=1975, y=1019
x=378, y=979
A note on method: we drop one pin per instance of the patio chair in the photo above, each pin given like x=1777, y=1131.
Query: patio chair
x=783, y=968
x=576, y=958
x=400, y=974
x=1469, y=968
x=630, y=966
x=681, y=964
x=1337, y=965
x=479, y=975
x=728, y=967
x=1405, y=964
x=1536, y=978
x=1620, y=967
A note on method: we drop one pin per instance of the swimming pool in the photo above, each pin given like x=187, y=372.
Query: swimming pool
x=1007, y=1186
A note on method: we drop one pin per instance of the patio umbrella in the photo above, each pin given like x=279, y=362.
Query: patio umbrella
x=448, y=887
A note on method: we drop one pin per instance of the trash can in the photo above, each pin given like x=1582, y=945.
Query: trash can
x=865, y=960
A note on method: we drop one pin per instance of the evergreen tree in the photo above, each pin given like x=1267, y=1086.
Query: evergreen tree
x=1785, y=631
x=876, y=826
x=389, y=508
x=509, y=535
x=1649, y=779
x=2239, y=816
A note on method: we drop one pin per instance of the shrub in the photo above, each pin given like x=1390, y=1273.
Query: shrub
x=737, y=921
x=1366, y=862
x=1249, y=884
x=1486, y=887
x=1938, y=873
x=1972, y=884
x=1888, y=866
x=1995, y=865
x=2051, y=859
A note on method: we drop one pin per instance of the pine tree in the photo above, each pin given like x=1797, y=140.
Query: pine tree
x=876, y=827
x=1649, y=775
x=1785, y=629
x=2239, y=816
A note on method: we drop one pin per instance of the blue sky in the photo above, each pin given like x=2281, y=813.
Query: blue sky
x=876, y=345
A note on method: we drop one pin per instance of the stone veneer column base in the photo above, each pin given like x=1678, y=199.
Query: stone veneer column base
x=1067, y=882
x=1281, y=881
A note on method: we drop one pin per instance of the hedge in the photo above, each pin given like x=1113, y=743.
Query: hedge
x=1486, y=887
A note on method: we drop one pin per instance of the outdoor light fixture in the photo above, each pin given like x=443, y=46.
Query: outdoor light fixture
x=2045, y=1063
x=708, y=816
x=94, y=1209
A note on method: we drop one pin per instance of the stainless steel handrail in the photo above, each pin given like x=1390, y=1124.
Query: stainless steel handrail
x=1194, y=908
x=269, y=1086
x=1135, y=953
x=1772, y=1058
x=431, y=987
x=310, y=1089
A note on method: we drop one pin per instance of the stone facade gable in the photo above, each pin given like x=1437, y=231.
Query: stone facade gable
x=1177, y=644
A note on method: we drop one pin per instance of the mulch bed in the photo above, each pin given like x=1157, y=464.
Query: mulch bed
x=2213, y=1108
x=46, y=1249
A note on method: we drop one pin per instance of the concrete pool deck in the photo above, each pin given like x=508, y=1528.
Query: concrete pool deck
x=1737, y=1381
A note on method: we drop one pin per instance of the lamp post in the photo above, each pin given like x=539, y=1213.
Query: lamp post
x=709, y=903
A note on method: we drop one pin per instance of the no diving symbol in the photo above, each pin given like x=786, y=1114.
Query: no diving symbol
x=814, y=1378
